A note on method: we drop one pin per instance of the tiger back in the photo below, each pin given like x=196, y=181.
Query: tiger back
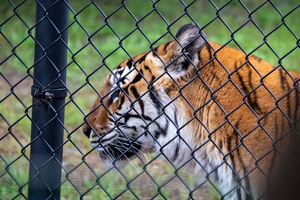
x=214, y=107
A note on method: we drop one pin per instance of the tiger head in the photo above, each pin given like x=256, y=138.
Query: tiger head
x=135, y=111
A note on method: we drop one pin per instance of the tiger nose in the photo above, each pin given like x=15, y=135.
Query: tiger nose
x=86, y=130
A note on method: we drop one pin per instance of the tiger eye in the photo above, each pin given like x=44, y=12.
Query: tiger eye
x=114, y=96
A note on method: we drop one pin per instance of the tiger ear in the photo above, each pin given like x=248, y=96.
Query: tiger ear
x=185, y=49
x=191, y=40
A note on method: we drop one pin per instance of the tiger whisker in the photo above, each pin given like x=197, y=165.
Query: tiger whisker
x=121, y=150
x=145, y=155
x=134, y=142
x=135, y=149
x=106, y=151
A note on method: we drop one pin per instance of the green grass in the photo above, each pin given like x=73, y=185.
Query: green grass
x=84, y=59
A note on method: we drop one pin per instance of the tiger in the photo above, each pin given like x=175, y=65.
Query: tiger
x=212, y=107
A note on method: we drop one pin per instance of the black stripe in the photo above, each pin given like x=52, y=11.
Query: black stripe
x=111, y=119
x=281, y=78
x=119, y=67
x=252, y=101
x=246, y=179
x=231, y=141
x=244, y=88
x=255, y=98
x=121, y=102
x=137, y=78
x=122, y=79
x=210, y=55
x=128, y=116
x=243, y=167
x=147, y=68
x=156, y=134
x=129, y=63
x=160, y=131
x=119, y=73
x=126, y=126
x=166, y=128
x=142, y=59
x=155, y=54
x=277, y=133
x=209, y=52
x=256, y=58
x=220, y=145
x=166, y=46
x=284, y=83
x=176, y=153
x=154, y=98
x=117, y=113
x=145, y=131
x=229, y=148
x=152, y=79
x=126, y=89
x=137, y=96
x=176, y=120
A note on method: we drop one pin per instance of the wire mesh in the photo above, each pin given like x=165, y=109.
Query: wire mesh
x=101, y=35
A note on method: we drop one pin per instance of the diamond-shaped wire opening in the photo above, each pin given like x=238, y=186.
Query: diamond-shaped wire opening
x=14, y=176
x=94, y=14
x=6, y=29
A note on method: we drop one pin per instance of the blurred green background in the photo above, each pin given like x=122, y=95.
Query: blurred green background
x=101, y=35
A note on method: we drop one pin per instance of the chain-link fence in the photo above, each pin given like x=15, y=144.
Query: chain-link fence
x=54, y=58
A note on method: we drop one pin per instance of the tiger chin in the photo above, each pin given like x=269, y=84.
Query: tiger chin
x=196, y=102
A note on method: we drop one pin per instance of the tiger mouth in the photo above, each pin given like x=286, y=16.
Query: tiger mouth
x=118, y=149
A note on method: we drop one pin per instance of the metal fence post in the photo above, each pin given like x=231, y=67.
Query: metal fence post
x=49, y=94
